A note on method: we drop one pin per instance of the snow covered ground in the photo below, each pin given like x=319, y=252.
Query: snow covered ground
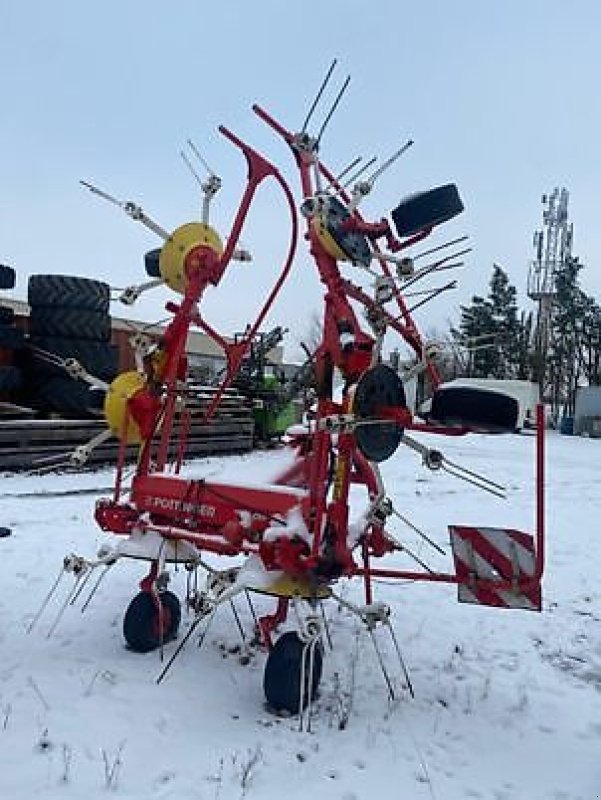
x=507, y=707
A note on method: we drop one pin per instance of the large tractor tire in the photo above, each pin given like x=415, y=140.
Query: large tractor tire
x=66, y=395
x=71, y=323
x=68, y=291
x=99, y=359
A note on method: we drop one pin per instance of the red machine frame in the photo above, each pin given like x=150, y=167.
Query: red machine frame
x=232, y=519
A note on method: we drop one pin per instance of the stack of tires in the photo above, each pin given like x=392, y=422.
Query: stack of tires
x=11, y=342
x=69, y=318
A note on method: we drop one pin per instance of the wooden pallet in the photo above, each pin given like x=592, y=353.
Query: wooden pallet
x=32, y=443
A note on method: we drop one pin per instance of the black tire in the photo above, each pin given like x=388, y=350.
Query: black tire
x=7, y=315
x=10, y=379
x=427, y=209
x=480, y=409
x=98, y=358
x=71, y=323
x=378, y=387
x=66, y=395
x=11, y=338
x=68, y=291
x=4, y=532
x=282, y=677
x=7, y=277
x=151, y=263
x=141, y=624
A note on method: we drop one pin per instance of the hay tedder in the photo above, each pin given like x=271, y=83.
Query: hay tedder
x=294, y=538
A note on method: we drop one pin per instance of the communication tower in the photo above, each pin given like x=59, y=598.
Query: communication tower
x=552, y=250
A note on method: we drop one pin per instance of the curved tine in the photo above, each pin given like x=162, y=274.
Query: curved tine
x=319, y=94
x=390, y=161
x=62, y=609
x=326, y=626
x=357, y=174
x=201, y=158
x=337, y=178
x=417, y=530
x=381, y=663
x=238, y=622
x=333, y=108
x=401, y=659
x=458, y=473
x=95, y=588
x=83, y=584
x=305, y=699
x=440, y=247
x=45, y=601
x=482, y=478
x=183, y=642
x=191, y=169
x=102, y=194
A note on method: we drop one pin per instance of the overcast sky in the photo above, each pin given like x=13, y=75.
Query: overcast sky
x=500, y=97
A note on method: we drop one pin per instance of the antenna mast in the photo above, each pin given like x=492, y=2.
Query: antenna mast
x=552, y=251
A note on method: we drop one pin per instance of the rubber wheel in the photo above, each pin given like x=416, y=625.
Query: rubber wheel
x=98, y=358
x=141, y=624
x=7, y=277
x=427, y=209
x=68, y=291
x=7, y=315
x=10, y=379
x=282, y=677
x=67, y=395
x=151, y=263
x=4, y=532
x=379, y=386
x=479, y=409
x=70, y=323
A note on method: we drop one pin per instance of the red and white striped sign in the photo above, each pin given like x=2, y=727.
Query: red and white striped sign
x=485, y=556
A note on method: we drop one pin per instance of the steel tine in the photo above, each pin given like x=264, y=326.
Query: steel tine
x=419, y=532
x=435, y=292
x=389, y=161
x=475, y=475
x=161, y=611
x=359, y=172
x=381, y=663
x=82, y=584
x=62, y=609
x=238, y=622
x=95, y=587
x=345, y=171
x=46, y=600
x=457, y=473
x=319, y=94
x=179, y=648
x=401, y=659
x=100, y=193
x=183, y=642
x=332, y=109
x=440, y=247
x=188, y=163
x=199, y=156
x=252, y=608
x=326, y=626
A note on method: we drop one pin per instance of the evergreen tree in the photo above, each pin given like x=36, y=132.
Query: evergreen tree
x=493, y=333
